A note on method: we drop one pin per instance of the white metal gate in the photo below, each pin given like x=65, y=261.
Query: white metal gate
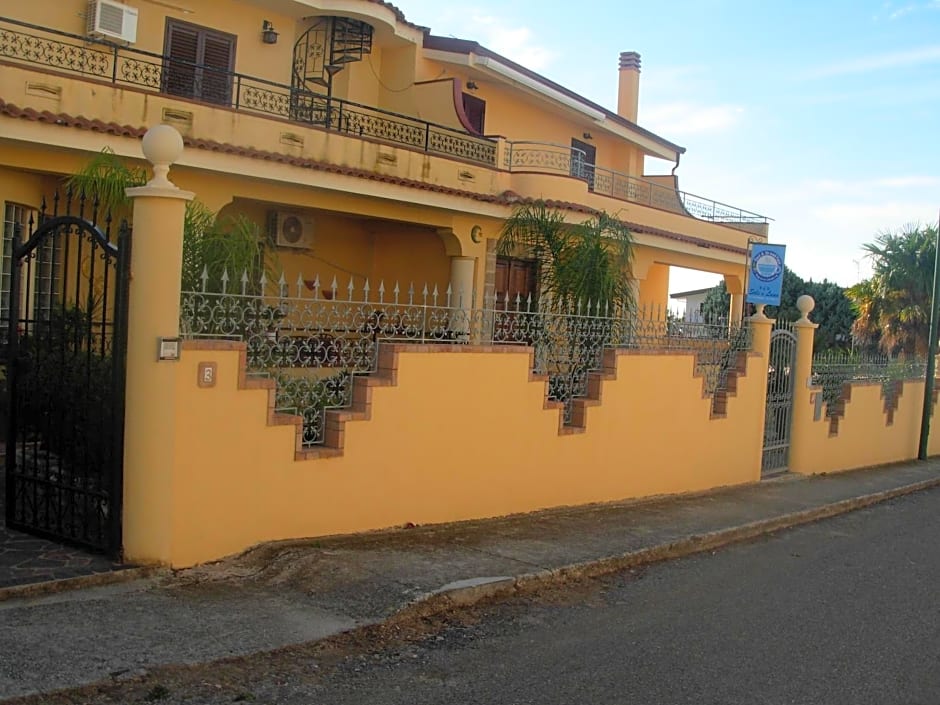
x=779, y=401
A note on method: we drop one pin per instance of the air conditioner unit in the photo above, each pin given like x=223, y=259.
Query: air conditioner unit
x=112, y=20
x=292, y=229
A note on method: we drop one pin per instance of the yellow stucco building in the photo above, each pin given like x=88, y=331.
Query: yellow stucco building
x=368, y=147
x=373, y=154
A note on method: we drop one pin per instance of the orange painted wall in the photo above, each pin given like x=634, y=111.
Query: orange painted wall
x=347, y=248
x=654, y=289
x=434, y=102
x=462, y=435
x=22, y=188
x=864, y=436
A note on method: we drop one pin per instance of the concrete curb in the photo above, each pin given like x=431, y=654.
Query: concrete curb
x=50, y=587
x=441, y=600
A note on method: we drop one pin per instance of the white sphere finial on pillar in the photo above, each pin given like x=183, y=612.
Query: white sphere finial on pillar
x=805, y=304
x=162, y=146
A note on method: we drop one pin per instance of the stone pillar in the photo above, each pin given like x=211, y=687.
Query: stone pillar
x=736, y=311
x=461, y=281
x=736, y=290
x=462, y=294
x=154, y=312
x=761, y=328
x=802, y=418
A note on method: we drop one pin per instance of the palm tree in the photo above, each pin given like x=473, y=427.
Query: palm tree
x=235, y=244
x=893, y=306
x=583, y=272
x=586, y=263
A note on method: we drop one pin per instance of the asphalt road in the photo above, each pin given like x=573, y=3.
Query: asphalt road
x=843, y=611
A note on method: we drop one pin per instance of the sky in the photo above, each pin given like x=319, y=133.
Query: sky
x=823, y=115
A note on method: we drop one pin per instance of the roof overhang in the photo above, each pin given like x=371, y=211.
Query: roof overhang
x=506, y=71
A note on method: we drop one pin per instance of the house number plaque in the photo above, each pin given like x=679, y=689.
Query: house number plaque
x=207, y=372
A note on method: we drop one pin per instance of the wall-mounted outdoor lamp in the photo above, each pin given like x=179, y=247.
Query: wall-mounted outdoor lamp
x=471, y=86
x=268, y=35
x=587, y=136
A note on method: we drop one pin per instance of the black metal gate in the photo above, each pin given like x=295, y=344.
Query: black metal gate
x=66, y=343
x=779, y=402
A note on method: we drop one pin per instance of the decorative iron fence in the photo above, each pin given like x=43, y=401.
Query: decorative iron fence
x=120, y=65
x=312, y=338
x=833, y=370
x=571, y=161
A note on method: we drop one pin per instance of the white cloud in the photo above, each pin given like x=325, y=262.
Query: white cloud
x=502, y=33
x=893, y=12
x=686, y=118
x=879, y=62
x=901, y=11
x=514, y=42
x=862, y=189
x=827, y=237
x=909, y=181
x=672, y=80
x=913, y=7
x=874, y=216
x=823, y=221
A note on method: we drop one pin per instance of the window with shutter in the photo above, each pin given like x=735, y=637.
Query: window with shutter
x=475, y=110
x=198, y=62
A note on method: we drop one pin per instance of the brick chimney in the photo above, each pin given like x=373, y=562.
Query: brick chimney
x=628, y=95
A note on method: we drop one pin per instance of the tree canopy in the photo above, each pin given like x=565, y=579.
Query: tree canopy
x=893, y=305
x=833, y=310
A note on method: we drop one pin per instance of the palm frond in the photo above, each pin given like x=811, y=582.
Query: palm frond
x=578, y=263
x=106, y=177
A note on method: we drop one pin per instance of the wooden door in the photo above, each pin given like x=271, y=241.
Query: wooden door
x=516, y=280
x=475, y=110
x=583, y=159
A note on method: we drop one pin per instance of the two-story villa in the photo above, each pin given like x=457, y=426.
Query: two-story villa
x=369, y=148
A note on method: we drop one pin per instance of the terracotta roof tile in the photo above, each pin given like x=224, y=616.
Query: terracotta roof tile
x=65, y=120
x=508, y=198
x=399, y=15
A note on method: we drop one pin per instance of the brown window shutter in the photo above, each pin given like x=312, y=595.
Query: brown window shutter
x=198, y=62
x=182, y=54
x=218, y=58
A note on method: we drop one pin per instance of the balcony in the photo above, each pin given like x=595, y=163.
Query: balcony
x=144, y=73
x=125, y=67
x=548, y=158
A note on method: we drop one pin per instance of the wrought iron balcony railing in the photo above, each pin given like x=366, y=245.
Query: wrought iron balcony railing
x=102, y=60
x=546, y=157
